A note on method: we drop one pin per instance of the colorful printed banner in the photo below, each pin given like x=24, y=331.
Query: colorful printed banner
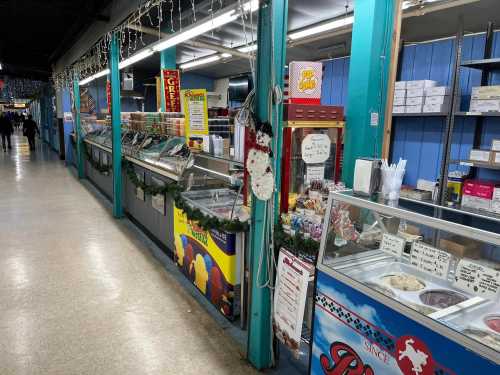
x=172, y=84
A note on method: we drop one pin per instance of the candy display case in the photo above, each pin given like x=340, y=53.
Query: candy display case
x=399, y=289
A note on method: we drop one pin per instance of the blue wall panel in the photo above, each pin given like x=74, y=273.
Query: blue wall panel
x=420, y=139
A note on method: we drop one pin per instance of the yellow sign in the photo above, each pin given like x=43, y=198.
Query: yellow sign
x=195, y=112
x=307, y=80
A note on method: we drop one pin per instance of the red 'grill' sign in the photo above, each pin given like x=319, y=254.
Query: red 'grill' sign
x=108, y=95
x=171, y=82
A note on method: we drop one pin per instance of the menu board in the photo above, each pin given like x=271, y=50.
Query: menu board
x=315, y=148
x=195, y=112
x=290, y=299
x=477, y=279
x=430, y=260
x=158, y=200
x=392, y=244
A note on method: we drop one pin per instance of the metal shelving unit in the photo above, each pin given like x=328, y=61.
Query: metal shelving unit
x=429, y=114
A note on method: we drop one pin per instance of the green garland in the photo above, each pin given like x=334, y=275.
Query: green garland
x=102, y=169
x=174, y=190
x=297, y=244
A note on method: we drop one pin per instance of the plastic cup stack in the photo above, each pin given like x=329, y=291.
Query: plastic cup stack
x=392, y=179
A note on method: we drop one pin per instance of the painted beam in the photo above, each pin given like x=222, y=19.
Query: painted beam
x=79, y=139
x=168, y=60
x=372, y=40
x=272, y=28
x=116, y=127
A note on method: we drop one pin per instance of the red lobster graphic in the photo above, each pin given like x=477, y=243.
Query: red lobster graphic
x=345, y=361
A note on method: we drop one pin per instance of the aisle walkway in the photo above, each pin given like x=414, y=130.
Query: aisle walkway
x=80, y=294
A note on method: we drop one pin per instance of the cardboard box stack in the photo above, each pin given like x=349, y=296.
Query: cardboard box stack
x=480, y=195
x=491, y=156
x=420, y=96
x=485, y=99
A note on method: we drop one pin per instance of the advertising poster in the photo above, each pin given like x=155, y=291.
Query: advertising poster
x=108, y=95
x=195, y=112
x=355, y=334
x=172, y=84
x=210, y=260
x=290, y=299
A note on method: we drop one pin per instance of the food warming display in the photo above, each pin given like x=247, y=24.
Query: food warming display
x=391, y=298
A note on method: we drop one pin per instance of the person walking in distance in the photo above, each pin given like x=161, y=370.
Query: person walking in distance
x=29, y=130
x=6, y=131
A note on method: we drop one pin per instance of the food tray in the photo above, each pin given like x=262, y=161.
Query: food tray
x=373, y=274
x=204, y=199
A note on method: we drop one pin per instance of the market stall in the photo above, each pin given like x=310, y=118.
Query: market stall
x=398, y=289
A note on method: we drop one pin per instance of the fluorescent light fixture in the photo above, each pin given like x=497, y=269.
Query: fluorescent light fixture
x=95, y=76
x=1, y=66
x=335, y=24
x=226, y=55
x=206, y=26
x=135, y=58
x=250, y=48
x=203, y=61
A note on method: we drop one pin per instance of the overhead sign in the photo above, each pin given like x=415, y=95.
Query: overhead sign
x=195, y=112
x=316, y=148
x=171, y=84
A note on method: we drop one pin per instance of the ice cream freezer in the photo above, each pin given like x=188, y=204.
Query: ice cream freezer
x=213, y=259
x=404, y=292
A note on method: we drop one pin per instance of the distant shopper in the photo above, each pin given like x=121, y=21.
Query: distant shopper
x=29, y=130
x=6, y=131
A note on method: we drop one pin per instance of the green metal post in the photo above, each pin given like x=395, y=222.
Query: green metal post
x=271, y=43
x=79, y=140
x=368, y=77
x=116, y=127
x=167, y=61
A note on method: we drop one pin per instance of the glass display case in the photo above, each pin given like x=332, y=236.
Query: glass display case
x=408, y=287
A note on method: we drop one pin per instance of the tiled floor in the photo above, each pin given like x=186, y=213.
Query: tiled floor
x=80, y=294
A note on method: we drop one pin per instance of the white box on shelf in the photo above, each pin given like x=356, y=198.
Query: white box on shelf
x=495, y=145
x=476, y=202
x=486, y=92
x=413, y=109
x=398, y=109
x=399, y=93
x=416, y=100
x=434, y=108
x=484, y=105
x=413, y=93
x=420, y=84
x=437, y=91
x=480, y=155
x=400, y=85
x=439, y=99
x=426, y=185
x=496, y=194
x=398, y=101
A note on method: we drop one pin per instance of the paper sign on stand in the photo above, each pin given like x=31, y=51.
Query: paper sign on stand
x=393, y=245
x=477, y=279
x=430, y=260
x=290, y=299
x=315, y=172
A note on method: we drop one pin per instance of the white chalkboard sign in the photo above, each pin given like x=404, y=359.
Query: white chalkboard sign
x=316, y=148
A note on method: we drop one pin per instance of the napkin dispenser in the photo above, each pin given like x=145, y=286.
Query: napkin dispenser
x=366, y=176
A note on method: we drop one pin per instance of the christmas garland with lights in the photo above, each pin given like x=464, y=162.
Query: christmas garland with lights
x=206, y=222
x=298, y=245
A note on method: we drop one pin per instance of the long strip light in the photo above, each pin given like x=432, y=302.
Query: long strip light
x=205, y=60
x=327, y=26
x=135, y=58
x=205, y=26
x=95, y=76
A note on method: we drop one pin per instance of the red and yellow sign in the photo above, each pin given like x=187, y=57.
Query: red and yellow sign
x=171, y=83
x=108, y=95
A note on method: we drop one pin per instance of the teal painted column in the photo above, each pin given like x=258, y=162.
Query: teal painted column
x=78, y=130
x=168, y=60
x=116, y=124
x=368, y=77
x=270, y=68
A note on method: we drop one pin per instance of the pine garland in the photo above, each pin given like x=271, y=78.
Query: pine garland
x=296, y=244
x=207, y=222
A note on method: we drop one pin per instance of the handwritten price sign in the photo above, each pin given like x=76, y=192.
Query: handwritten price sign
x=316, y=148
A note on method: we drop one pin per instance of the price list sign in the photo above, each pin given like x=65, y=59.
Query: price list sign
x=477, y=279
x=430, y=260
x=393, y=245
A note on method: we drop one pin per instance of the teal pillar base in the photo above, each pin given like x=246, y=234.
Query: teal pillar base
x=368, y=77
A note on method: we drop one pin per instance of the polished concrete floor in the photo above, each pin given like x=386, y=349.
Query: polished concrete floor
x=81, y=294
